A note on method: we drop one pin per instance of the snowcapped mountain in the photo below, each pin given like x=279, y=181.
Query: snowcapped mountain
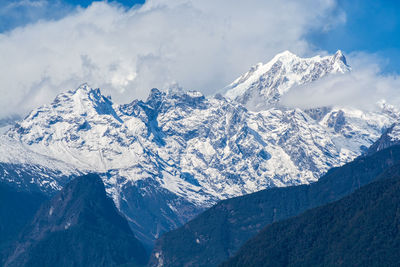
x=264, y=84
x=262, y=87
x=165, y=159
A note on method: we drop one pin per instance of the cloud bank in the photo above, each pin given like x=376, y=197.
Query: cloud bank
x=363, y=87
x=200, y=44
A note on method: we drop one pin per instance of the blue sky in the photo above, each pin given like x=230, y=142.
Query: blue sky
x=371, y=26
x=85, y=3
x=14, y=13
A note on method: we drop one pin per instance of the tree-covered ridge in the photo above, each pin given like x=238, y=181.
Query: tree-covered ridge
x=79, y=226
x=17, y=208
x=359, y=230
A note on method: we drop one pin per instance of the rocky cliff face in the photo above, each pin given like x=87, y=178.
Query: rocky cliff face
x=389, y=138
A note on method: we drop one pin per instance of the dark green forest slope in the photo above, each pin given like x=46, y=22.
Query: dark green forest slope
x=79, y=226
x=362, y=229
x=17, y=208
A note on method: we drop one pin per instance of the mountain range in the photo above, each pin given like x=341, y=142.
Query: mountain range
x=168, y=158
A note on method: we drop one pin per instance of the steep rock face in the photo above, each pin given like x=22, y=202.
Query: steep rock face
x=390, y=138
x=219, y=232
x=359, y=230
x=80, y=226
x=264, y=84
x=180, y=152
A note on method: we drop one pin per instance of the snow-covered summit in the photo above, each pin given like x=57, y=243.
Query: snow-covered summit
x=264, y=84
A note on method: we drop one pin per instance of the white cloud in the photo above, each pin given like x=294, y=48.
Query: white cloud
x=363, y=87
x=200, y=44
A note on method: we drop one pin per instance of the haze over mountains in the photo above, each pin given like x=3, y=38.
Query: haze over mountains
x=166, y=159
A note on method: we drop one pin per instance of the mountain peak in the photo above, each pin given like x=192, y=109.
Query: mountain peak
x=72, y=111
x=85, y=98
x=339, y=56
x=339, y=53
x=264, y=84
x=84, y=87
x=285, y=54
x=155, y=98
x=89, y=184
x=84, y=91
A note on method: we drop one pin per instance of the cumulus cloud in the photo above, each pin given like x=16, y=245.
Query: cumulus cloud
x=200, y=44
x=364, y=87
